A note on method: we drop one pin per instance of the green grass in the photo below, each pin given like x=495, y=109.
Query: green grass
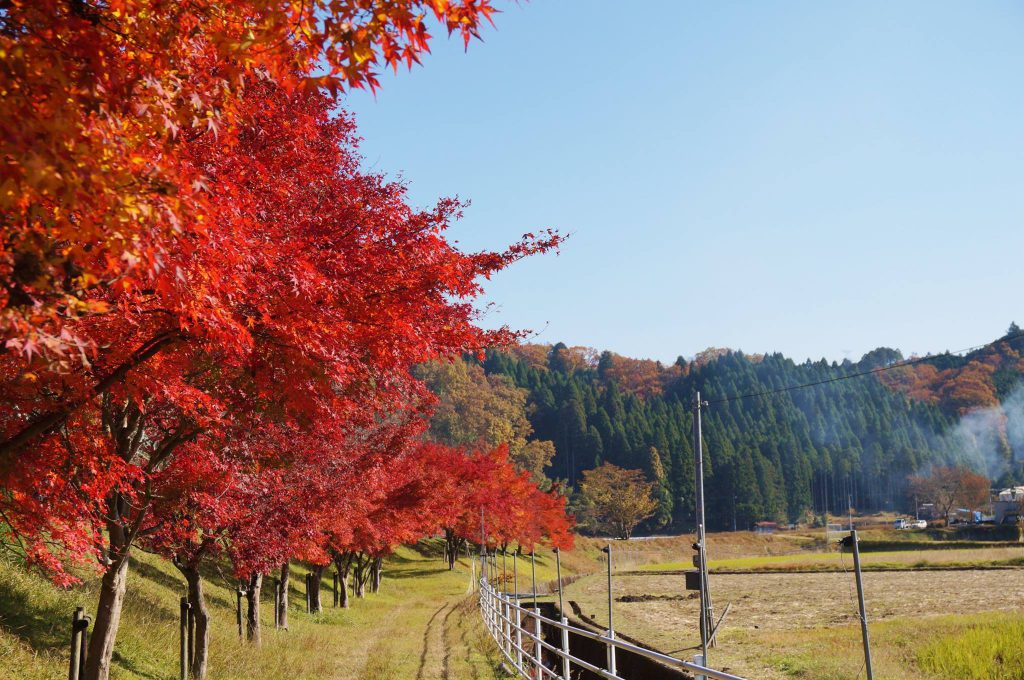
x=987, y=646
x=989, y=649
x=423, y=623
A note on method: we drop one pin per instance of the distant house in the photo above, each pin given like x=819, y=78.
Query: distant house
x=766, y=527
x=1007, y=507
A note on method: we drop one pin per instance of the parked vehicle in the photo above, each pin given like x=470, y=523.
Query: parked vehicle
x=910, y=524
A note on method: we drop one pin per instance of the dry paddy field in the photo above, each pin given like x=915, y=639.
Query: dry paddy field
x=805, y=625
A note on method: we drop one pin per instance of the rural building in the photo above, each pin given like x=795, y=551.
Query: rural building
x=1007, y=506
x=766, y=527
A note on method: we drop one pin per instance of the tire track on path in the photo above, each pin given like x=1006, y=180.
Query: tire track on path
x=434, y=643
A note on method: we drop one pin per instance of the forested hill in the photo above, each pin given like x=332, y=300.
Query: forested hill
x=778, y=456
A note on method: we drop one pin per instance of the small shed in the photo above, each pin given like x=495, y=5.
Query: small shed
x=1008, y=505
x=766, y=527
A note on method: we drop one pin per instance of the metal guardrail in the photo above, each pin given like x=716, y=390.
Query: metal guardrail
x=517, y=630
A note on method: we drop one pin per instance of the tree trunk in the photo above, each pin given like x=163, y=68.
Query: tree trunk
x=342, y=563
x=108, y=617
x=282, y=614
x=375, y=575
x=201, y=652
x=252, y=618
x=450, y=549
x=316, y=574
x=125, y=426
x=120, y=536
x=360, y=576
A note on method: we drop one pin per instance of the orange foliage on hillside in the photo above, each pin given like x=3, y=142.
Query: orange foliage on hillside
x=709, y=355
x=961, y=388
x=571, y=359
x=535, y=356
x=642, y=377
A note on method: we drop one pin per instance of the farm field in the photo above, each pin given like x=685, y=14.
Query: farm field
x=981, y=558
x=804, y=625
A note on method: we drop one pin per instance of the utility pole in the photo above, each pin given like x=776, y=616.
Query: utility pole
x=483, y=545
x=607, y=550
x=826, y=510
x=849, y=509
x=706, y=612
x=860, y=601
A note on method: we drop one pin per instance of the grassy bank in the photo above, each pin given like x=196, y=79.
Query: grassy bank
x=422, y=624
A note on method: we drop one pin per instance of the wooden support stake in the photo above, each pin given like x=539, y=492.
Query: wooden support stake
x=75, y=664
x=238, y=612
x=83, y=646
x=277, y=603
x=184, y=655
x=191, y=637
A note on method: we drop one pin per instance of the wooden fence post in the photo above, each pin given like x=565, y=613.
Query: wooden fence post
x=184, y=653
x=83, y=646
x=79, y=644
x=191, y=637
x=309, y=603
x=238, y=611
x=277, y=603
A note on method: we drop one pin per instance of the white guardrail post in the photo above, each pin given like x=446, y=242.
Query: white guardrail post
x=537, y=645
x=519, y=614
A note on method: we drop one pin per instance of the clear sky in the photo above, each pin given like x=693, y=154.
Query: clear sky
x=815, y=178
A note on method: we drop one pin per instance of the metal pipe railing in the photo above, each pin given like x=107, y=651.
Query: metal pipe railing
x=515, y=628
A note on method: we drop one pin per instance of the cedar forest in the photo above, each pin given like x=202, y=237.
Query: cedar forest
x=785, y=456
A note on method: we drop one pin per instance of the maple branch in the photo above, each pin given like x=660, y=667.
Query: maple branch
x=133, y=529
x=48, y=422
x=168, y=445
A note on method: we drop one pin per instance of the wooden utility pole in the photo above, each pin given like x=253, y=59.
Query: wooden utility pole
x=707, y=616
x=860, y=602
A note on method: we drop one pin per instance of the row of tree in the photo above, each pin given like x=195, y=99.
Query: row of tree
x=210, y=312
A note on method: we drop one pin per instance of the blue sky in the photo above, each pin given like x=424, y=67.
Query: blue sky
x=815, y=178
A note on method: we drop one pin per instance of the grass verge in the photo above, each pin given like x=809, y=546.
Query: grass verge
x=422, y=624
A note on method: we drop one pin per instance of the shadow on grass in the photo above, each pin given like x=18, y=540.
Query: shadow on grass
x=43, y=626
x=129, y=666
x=413, y=573
x=151, y=573
x=429, y=547
x=175, y=584
x=212, y=577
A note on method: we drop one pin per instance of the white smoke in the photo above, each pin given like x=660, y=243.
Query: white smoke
x=979, y=439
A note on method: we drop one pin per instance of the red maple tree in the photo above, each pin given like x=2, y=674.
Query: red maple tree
x=299, y=309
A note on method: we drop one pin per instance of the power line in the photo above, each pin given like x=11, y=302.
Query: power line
x=880, y=369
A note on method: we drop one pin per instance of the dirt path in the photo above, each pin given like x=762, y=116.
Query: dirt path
x=431, y=630
x=434, y=659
